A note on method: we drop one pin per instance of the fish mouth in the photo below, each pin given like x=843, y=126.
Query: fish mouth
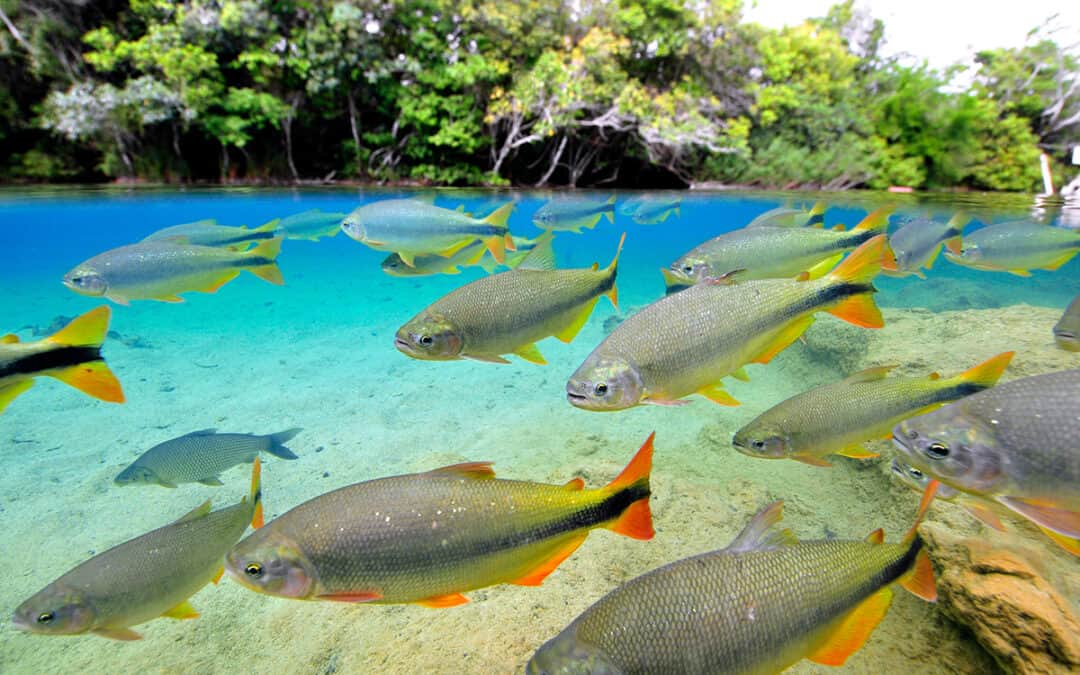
x=402, y=344
x=575, y=399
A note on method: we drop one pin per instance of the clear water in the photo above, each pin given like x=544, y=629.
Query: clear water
x=318, y=353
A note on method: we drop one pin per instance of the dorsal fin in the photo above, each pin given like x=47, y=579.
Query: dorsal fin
x=476, y=470
x=762, y=533
x=203, y=432
x=194, y=514
x=542, y=256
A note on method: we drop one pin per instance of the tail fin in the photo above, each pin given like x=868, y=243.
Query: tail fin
x=268, y=250
x=987, y=373
x=500, y=216
x=860, y=267
x=919, y=580
x=91, y=377
x=610, y=212
x=277, y=443
x=256, y=494
x=498, y=243
x=636, y=520
x=877, y=220
x=271, y=226
x=817, y=214
x=613, y=294
x=957, y=223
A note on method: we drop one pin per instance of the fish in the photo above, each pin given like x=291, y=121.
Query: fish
x=507, y=313
x=311, y=225
x=471, y=255
x=762, y=604
x=71, y=355
x=161, y=270
x=572, y=212
x=1067, y=330
x=150, y=576
x=917, y=480
x=917, y=243
x=1017, y=247
x=1017, y=445
x=651, y=209
x=199, y=457
x=838, y=418
x=685, y=343
x=772, y=252
x=209, y=233
x=428, y=538
x=787, y=217
x=410, y=227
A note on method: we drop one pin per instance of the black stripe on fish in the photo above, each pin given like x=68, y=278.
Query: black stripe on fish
x=828, y=296
x=247, y=237
x=61, y=357
x=608, y=510
x=258, y=261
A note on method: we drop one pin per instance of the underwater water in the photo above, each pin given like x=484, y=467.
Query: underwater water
x=318, y=353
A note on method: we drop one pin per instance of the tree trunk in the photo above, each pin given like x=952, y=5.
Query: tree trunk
x=554, y=162
x=224, y=163
x=354, y=127
x=288, y=137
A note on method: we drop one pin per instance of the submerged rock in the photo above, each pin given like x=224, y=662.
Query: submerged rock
x=1010, y=608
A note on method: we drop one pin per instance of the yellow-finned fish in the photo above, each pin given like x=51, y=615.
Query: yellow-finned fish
x=161, y=270
x=838, y=418
x=144, y=578
x=787, y=217
x=410, y=227
x=772, y=252
x=209, y=233
x=760, y=605
x=471, y=255
x=917, y=244
x=429, y=537
x=507, y=313
x=1067, y=330
x=71, y=355
x=571, y=212
x=652, y=209
x=1017, y=247
x=1017, y=444
x=311, y=225
x=685, y=343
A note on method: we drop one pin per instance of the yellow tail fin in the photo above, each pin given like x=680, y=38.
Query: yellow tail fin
x=987, y=373
x=636, y=520
x=87, y=330
x=501, y=215
x=268, y=250
x=877, y=220
x=613, y=293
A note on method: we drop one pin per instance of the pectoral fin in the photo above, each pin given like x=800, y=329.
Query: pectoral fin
x=853, y=630
x=182, y=611
x=718, y=395
x=1046, y=515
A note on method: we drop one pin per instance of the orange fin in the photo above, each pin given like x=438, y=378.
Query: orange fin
x=877, y=220
x=863, y=264
x=220, y=573
x=182, y=611
x=854, y=629
x=929, y=492
x=357, y=596
x=87, y=330
x=783, y=339
x=1046, y=515
x=8, y=393
x=439, y=601
x=575, y=484
x=93, y=378
x=876, y=537
x=717, y=394
x=636, y=521
x=984, y=514
x=870, y=374
x=256, y=493
x=920, y=579
x=638, y=469
x=497, y=246
x=125, y=634
x=477, y=470
x=613, y=293
x=859, y=310
x=536, y=576
x=1068, y=543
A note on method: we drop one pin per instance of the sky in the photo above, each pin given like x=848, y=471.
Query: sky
x=941, y=31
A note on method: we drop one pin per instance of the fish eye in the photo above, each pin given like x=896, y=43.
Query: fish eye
x=915, y=473
x=688, y=268
x=254, y=570
x=46, y=617
x=758, y=444
x=426, y=340
x=937, y=451
x=78, y=281
x=600, y=389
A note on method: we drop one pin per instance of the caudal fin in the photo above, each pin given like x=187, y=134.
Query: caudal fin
x=499, y=243
x=636, y=520
x=265, y=258
x=817, y=215
x=92, y=377
x=613, y=268
x=87, y=330
x=919, y=580
x=877, y=220
x=277, y=443
x=987, y=373
x=860, y=268
x=256, y=494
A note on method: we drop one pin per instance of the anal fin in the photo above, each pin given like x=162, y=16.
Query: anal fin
x=531, y=354
x=353, y=596
x=536, y=575
x=439, y=601
x=857, y=452
x=783, y=339
x=718, y=395
x=853, y=630
x=182, y=611
x=574, y=327
x=125, y=634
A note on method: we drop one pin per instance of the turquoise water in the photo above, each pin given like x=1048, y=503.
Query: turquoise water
x=318, y=353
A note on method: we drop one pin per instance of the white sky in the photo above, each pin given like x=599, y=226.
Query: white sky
x=940, y=31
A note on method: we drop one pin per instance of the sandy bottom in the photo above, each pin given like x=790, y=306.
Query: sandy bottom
x=369, y=412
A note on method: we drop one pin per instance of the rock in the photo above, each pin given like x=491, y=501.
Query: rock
x=1014, y=613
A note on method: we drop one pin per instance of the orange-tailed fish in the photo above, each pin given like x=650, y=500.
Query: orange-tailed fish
x=917, y=243
x=760, y=605
x=209, y=233
x=1067, y=330
x=429, y=537
x=1017, y=247
x=1017, y=444
x=161, y=270
x=411, y=227
x=71, y=355
x=147, y=577
x=685, y=343
x=838, y=418
x=507, y=313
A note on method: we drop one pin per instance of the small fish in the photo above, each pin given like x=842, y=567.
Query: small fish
x=144, y=578
x=1017, y=247
x=785, y=217
x=209, y=233
x=311, y=225
x=507, y=313
x=410, y=227
x=917, y=480
x=429, y=537
x=161, y=270
x=572, y=212
x=651, y=209
x=200, y=456
x=1017, y=444
x=71, y=355
x=760, y=605
x=772, y=252
x=918, y=242
x=1067, y=330
x=473, y=254
x=685, y=343
x=838, y=418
